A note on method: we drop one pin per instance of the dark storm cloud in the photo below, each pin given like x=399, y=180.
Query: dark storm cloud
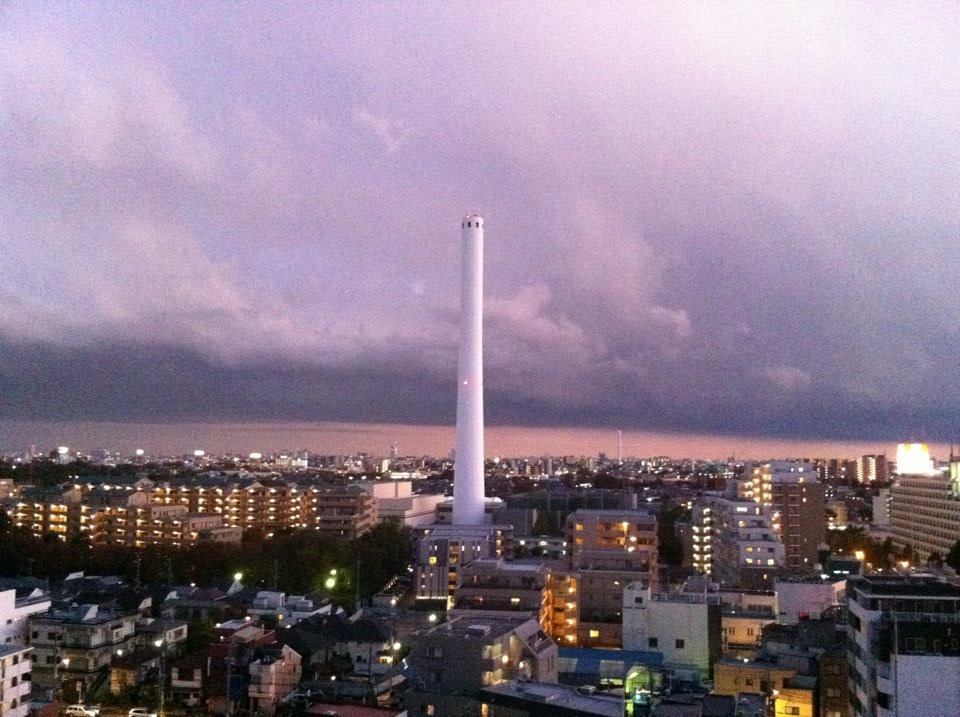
x=732, y=218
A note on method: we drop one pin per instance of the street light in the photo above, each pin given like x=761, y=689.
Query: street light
x=57, y=687
x=161, y=645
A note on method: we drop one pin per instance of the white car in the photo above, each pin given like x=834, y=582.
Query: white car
x=81, y=711
x=141, y=712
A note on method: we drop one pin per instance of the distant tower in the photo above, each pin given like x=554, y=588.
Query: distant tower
x=468, y=501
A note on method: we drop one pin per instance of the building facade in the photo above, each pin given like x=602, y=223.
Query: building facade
x=15, y=680
x=925, y=508
x=609, y=550
x=903, y=645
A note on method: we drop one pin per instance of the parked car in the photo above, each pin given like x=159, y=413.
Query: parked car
x=81, y=711
x=141, y=712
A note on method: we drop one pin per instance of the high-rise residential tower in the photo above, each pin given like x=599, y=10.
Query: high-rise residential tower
x=468, y=502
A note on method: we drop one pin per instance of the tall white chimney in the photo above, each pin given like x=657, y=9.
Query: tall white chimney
x=468, y=501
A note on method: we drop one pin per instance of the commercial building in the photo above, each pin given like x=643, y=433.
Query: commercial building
x=811, y=597
x=903, y=645
x=397, y=501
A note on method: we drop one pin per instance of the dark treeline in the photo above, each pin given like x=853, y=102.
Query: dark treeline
x=294, y=562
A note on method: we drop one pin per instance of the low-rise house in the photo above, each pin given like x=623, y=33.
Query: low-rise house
x=133, y=669
x=186, y=680
x=333, y=644
x=274, y=674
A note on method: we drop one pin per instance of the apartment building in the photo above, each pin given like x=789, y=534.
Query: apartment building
x=746, y=550
x=609, y=550
x=796, y=497
x=75, y=646
x=15, y=612
x=458, y=658
x=444, y=550
x=925, y=504
x=204, y=510
x=683, y=626
x=15, y=680
x=492, y=584
x=903, y=645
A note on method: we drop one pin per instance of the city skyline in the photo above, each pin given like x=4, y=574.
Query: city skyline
x=725, y=221
x=240, y=439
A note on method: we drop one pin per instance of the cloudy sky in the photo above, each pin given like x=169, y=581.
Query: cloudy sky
x=722, y=218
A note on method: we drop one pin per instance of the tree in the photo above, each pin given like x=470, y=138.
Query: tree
x=542, y=525
x=953, y=557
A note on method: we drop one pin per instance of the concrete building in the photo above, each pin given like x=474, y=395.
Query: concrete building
x=533, y=699
x=490, y=584
x=803, y=598
x=75, y=646
x=733, y=676
x=747, y=552
x=456, y=659
x=903, y=643
x=743, y=615
x=609, y=550
x=698, y=543
x=796, y=497
x=345, y=511
x=15, y=680
x=274, y=674
x=444, y=550
x=925, y=503
x=15, y=612
x=872, y=469
x=881, y=508
x=683, y=626
x=397, y=501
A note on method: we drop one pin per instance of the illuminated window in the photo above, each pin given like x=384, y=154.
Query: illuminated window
x=594, y=633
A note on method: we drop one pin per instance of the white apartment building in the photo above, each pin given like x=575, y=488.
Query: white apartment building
x=801, y=598
x=15, y=614
x=685, y=627
x=903, y=645
x=15, y=682
x=746, y=550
